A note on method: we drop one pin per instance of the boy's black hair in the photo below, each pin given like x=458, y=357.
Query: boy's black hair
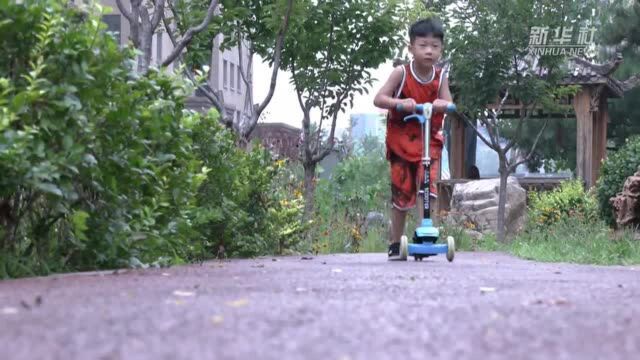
x=426, y=27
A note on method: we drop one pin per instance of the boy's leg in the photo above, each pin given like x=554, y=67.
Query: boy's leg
x=435, y=152
x=398, y=219
x=403, y=197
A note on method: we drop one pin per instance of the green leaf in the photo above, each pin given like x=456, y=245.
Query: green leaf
x=49, y=188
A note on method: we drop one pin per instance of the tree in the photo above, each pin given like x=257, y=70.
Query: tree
x=330, y=60
x=489, y=56
x=193, y=24
x=621, y=33
x=618, y=34
x=144, y=24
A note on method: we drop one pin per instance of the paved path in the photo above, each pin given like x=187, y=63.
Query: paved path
x=481, y=306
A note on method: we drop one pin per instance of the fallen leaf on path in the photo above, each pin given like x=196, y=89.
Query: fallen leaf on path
x=238, y=303
x=25, y=305
x=217, y=319
x=274, y=259
x=9, y=310
x=307, y=258
x=336, y=270
x=485, y=290
x=559, y=301
x=176, y=302
x=183, y=293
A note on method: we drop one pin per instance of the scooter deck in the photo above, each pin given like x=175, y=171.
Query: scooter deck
x=427, y=249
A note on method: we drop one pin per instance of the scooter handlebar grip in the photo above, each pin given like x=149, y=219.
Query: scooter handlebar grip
x=451, y=107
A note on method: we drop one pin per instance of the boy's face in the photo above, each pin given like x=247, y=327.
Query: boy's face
x=426, y=50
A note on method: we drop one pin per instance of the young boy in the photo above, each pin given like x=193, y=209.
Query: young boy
x=415, y=83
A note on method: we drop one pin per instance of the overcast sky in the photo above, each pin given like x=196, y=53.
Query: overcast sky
x=284, y=105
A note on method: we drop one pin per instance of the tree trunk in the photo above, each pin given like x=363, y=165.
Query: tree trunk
x=144, y=60
x=309, y=189
x=502, y=201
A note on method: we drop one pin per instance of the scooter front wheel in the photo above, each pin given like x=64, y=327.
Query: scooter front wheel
x=451, y=248
x=404, y=248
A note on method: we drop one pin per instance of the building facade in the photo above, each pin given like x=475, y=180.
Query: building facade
x=225, y=76
x=283, y=140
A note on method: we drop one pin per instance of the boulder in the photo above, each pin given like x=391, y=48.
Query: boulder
x=474, y=206
x=626, y=204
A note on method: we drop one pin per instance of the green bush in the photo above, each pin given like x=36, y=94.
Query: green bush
x=616, y=168
x=96, y=161
x=101, y=167
x=359, y=184
x=567, y=201
x=248, y=204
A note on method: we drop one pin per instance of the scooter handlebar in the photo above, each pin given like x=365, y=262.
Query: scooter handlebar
x=451, y=107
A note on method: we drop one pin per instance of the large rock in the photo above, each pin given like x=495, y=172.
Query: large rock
x=474, y=205
x=626, y=205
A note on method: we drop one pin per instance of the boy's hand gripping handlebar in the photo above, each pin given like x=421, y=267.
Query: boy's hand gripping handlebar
x=424, y=112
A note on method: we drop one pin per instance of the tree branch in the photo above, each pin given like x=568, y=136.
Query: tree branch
x=188, y=36
x=331, y=141
x=521, y=121
x=127, y=13
x=208, y=93
x=158, y=13
x=323, y=92
x=490, y=130
x=306, y=121
x=512, y=167
x=468, y=121
x=277, y=58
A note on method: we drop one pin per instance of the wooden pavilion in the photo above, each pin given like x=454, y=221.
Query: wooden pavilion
x=590, y=110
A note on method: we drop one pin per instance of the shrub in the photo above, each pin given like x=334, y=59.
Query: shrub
x=616, y=168
x=248, y=204
x=567, y=201
x=359, y=184
x=101, y=167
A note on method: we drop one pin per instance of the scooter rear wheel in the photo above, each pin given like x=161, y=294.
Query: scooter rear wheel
x=451, y=248
x=404, y=248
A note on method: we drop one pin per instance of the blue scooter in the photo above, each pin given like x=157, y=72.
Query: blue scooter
x=426, y=235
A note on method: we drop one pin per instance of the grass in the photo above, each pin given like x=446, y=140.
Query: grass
x=574, y=241
x=570, y=240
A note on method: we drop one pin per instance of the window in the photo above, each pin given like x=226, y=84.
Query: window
x=224, y=73
x=239, y=80
x=232, y=71
x=113, y=25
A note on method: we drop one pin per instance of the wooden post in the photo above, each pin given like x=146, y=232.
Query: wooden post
x=456, y=157
x=584, y=136
x=600, y=137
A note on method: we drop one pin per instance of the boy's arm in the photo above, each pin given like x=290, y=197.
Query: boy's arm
x=445, y=93
x=384, y=98
x=444, y=96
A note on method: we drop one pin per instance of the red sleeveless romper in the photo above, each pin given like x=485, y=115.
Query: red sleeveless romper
x=404, y=139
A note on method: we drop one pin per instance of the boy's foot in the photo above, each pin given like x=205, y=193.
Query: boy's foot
x=394, y=251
